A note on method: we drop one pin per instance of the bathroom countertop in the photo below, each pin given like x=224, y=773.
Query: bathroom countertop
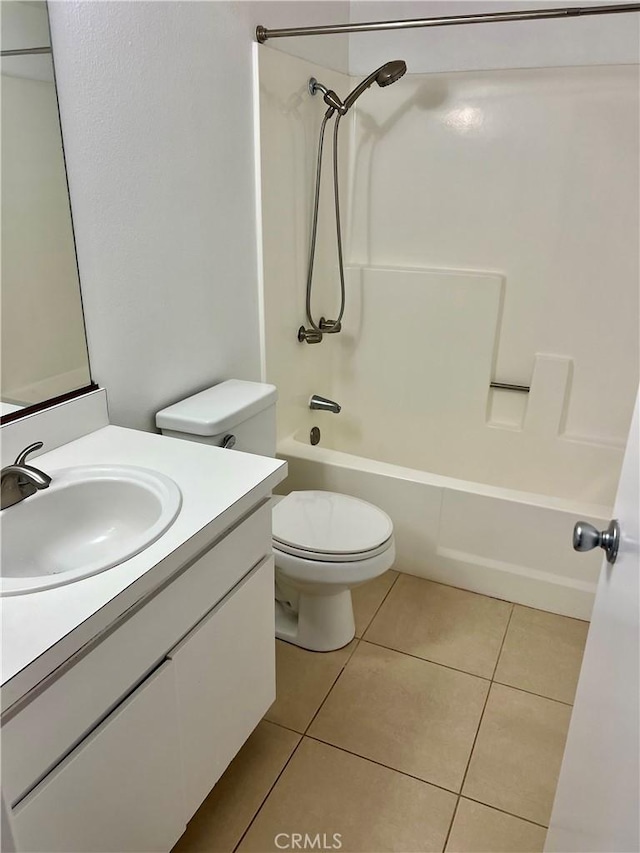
x=41, y=630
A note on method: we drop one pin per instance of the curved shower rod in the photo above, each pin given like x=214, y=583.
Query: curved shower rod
x=263, y=34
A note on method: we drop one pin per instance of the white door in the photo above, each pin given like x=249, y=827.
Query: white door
x=597, y=801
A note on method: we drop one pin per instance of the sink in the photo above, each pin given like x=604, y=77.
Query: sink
x=91, y=518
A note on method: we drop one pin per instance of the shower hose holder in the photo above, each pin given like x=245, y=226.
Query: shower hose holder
x=330, y=327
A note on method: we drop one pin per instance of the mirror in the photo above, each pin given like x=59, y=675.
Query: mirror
x=44, y=350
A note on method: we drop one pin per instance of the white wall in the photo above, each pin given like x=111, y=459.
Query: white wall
x=156, y=105
x=327, y=51
x=596, y=40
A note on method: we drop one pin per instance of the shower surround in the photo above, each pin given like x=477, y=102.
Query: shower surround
x=491, y=231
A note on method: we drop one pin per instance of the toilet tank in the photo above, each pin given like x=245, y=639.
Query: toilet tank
x=244, y=410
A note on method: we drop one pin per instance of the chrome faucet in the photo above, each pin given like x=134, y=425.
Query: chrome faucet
x=20, y=481
x=323, y=404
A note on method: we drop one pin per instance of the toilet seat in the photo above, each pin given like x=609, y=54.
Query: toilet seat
x=328, y=557
x=330, y=527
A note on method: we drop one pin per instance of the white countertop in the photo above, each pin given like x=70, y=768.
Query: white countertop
x=41, y=630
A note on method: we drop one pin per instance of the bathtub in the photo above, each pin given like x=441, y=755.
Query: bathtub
x=492, y=539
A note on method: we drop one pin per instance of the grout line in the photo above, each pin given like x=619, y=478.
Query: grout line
x=475, y=739
x=380, y=764
x=333, y=683
x=265, y=719
x=427, y=660
x=504, y=638
x=486, y=700
x=377, y=610
x=268, y=794
x=453, y=817
x=531, y=693
x=502, y=811
x=356, y=641
x=473, y=592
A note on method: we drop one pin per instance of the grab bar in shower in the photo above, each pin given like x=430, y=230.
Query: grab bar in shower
x=508, y=386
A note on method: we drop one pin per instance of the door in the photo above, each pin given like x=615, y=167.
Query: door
x=597, y=801
x=225, y=675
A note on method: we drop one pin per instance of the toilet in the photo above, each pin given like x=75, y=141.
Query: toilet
x=324, y=543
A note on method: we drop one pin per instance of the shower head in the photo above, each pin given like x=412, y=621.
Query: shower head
x=383, y=76
x=390, y=72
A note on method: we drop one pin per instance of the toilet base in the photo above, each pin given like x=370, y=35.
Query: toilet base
x=320, y=623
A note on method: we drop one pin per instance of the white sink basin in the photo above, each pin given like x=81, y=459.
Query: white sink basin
x=91, y=518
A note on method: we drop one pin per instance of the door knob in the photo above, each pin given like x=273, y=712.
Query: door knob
x=586, y=537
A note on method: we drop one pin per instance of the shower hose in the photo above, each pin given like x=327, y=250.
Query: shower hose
x=326, y=326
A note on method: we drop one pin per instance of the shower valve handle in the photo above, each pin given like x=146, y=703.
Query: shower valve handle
x=311, y=336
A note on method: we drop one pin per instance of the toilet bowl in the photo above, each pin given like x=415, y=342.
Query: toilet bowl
x=324, y=545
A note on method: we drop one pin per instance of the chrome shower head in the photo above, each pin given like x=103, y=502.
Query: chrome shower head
x=383, y=76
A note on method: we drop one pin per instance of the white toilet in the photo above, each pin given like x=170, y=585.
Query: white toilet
x=324, y=543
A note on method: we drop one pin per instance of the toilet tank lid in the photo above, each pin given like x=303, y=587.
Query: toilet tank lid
x=218, y=409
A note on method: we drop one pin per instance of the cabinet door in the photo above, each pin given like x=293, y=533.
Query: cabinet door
x=225, y=675
x=121, y=788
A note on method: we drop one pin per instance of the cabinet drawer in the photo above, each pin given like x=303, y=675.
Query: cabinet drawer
x=121, y=789
x=41, y=733
x=225, y=677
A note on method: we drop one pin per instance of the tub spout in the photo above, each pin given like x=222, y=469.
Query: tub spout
x=323, y=404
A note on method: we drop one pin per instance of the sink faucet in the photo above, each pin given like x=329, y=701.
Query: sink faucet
x=323, y=404
x=19, y=481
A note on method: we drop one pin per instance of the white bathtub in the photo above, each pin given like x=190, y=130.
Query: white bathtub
x=499, y=541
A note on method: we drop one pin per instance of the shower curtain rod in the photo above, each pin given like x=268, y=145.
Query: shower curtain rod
x=263, y=34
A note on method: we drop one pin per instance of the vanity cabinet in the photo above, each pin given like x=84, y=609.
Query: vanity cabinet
x=120, y=789
x=119, y=751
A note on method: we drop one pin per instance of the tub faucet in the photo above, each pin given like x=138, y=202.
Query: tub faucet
x=323, y=404
x=19, y=481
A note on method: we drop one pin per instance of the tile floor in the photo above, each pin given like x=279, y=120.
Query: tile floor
x=441, y=727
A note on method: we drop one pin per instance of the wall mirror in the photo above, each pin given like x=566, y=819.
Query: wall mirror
x=44, y=349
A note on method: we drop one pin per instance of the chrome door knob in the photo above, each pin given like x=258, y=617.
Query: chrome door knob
x=586, y=537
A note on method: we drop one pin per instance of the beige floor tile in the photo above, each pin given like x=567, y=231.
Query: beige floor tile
x=542, y=653
x=406, y=713
x=368, y=597
x=516, y=759
x=327, y=791
x=479, y=829
x=222, y=819
x=303, y=679
x=442, y=624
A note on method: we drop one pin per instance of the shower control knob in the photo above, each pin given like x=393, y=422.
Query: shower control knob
x=586, y=537
x=311, y=336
